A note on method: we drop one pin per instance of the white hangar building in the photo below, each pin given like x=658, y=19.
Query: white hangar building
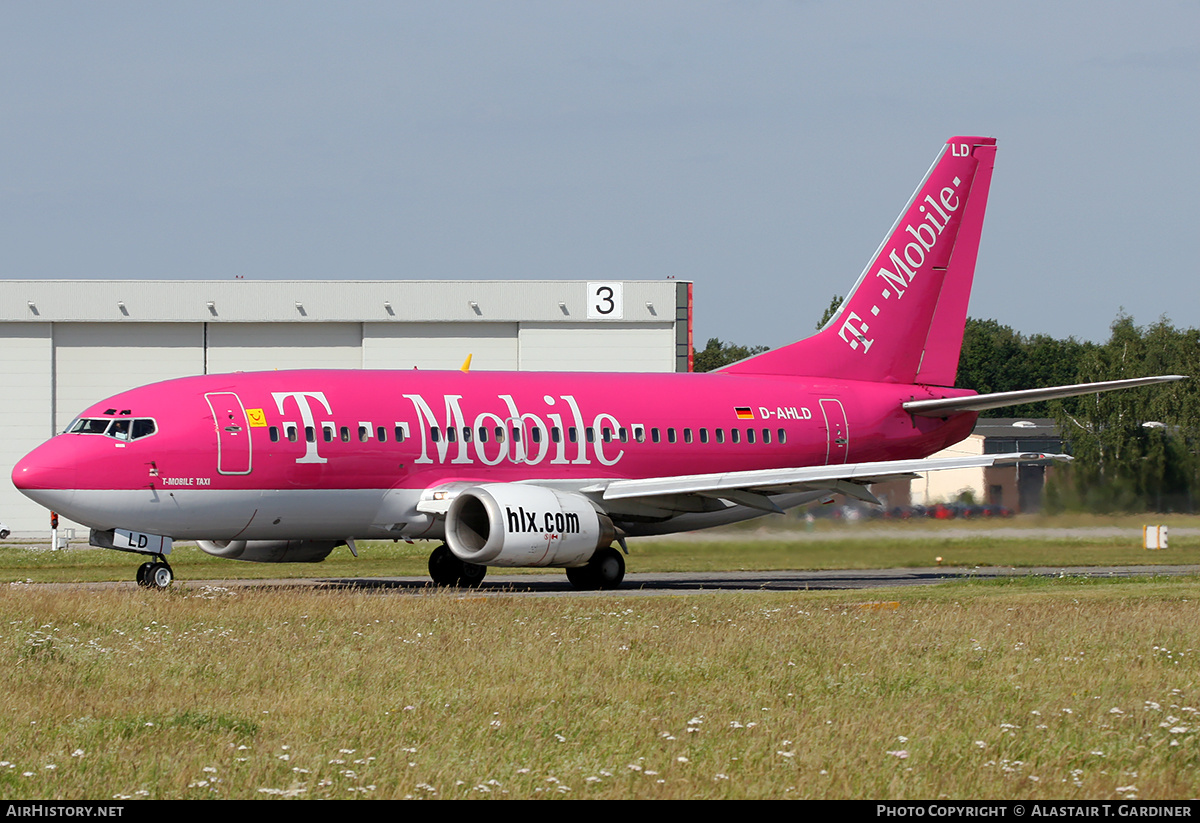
x=66, y=344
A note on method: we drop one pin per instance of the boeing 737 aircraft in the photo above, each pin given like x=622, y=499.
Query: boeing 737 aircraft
x=549, y=469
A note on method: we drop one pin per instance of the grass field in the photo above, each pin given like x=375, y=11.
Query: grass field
x=1030, y=688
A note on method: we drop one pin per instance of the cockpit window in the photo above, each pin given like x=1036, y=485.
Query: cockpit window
x=122, y=428
x=86, y=425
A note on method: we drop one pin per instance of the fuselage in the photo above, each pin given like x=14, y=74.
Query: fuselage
x=337, y=454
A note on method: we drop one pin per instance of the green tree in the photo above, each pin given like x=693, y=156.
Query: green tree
x=1136, y=449
x=830, y=310
x=995, y=358
x=716, y=354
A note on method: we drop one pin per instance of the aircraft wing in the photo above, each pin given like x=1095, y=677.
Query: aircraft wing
x=752, y=488
x=980, y=402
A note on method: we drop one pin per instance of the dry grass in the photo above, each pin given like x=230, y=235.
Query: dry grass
x=1039, y=689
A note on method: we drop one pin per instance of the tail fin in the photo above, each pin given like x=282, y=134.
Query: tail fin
x=903, y=320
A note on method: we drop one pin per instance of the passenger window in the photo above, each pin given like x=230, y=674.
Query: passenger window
x=483, y=434
x=499, y=434
x=451, y=435
x=381, y=433
x=735, y=435
x=435, y=434
x=606, y=434
x=466, y=434
x=516, y=435
x=536, y=434
x=290, y=429
x=671, y=434
x=749, y=435
x=655, y=436
x=704, y=435
x=766, y=435
x=782, y=436
x=591, y=434
x=400, y=432
x=639, y=434
x=345, y=434
x=555, y=434
x=687, y=435
x=327, y=432
x=572, y=435
x=720, y=435
x=624, y=435
x=274, y=434
x=310, y=434
x=364, y=433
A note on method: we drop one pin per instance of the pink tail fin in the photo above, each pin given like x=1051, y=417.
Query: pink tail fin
x=903, y=320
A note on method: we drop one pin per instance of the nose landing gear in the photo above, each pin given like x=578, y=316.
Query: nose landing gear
x=156, y=575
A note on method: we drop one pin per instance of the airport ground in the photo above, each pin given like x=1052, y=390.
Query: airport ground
x=765, y=545
x=1047, y=685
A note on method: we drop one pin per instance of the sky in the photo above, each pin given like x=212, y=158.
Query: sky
x=760, y=149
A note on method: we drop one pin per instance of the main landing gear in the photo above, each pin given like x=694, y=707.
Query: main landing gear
x=447, y=570
x=155, y=575
x=605, y=570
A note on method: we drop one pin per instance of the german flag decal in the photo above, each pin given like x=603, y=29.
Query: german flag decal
x=744, y=413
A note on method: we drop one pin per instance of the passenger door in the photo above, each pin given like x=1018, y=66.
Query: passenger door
x=233, y=432
x=837, y=433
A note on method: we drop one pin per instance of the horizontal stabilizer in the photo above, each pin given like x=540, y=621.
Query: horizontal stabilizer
x=980, y=402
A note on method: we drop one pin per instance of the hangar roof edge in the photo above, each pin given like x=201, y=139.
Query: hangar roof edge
x=247, y=301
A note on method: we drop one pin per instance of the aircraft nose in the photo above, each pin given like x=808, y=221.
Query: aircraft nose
x=46, y=475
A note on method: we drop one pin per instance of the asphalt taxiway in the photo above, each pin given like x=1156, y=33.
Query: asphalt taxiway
x=681, y=583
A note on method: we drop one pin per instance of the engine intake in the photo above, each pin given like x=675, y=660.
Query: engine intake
x=506, y=524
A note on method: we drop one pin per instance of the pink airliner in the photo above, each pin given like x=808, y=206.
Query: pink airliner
x=549, y=469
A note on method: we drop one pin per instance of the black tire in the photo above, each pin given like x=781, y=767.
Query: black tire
x=143, y=575
x=607, y=568
x=581, y=577
x=472, y=575
x=444, y=568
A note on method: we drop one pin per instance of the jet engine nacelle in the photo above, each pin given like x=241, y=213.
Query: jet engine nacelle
x=271, y=551
x=508, y=524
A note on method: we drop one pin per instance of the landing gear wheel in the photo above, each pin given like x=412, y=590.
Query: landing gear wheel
x=444, y=567
x=472, y=575
x=447, y=570
x=580, y=577
x=605, y=570
x=160, y=576
x=143, y=575
x=608, y=568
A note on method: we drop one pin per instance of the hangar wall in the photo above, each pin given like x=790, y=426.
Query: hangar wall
x=65, y=345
